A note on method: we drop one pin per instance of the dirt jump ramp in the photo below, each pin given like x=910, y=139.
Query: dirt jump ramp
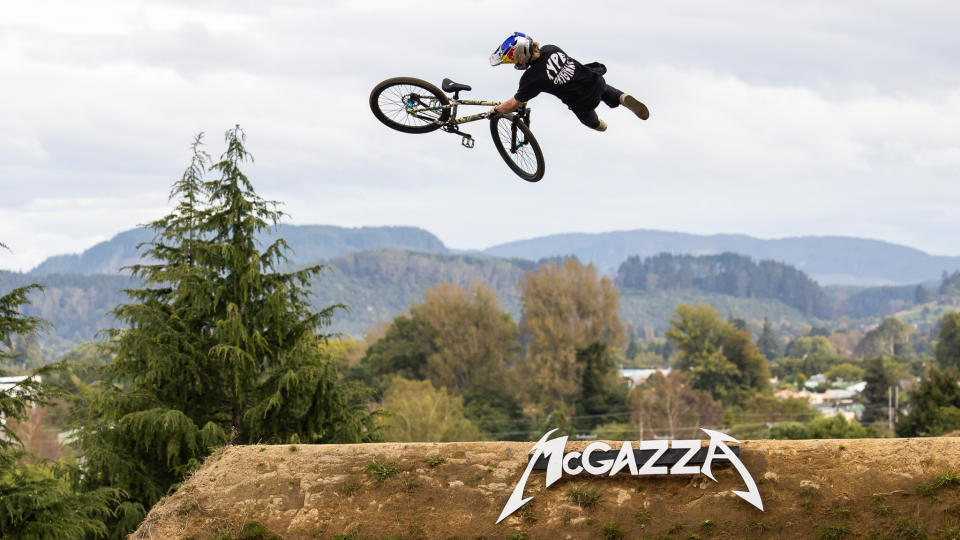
x=875, y=488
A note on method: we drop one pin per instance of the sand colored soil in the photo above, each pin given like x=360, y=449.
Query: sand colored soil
x=810, y=489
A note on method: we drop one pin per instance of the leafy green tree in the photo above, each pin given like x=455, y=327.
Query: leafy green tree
x=566, y=307
x=766, y=409
x=948, y=347
x=815, y=347
x=496, y=412
x=418, y=412
x=754, y=373
x=845, y=371
x=36, y=500
x=819, y=331
x=934, y=405
x=474, y=339
x=892, y=337
x=219, y=345
x=836, y=427
x=557, y=419
x=698, y=332
x=455, y=338
x=615, y=431
x=402, y=352
x=807, y=355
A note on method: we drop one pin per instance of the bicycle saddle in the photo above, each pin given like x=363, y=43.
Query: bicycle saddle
x=450, y=86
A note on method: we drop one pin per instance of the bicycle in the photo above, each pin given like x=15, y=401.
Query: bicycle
x=413, y=105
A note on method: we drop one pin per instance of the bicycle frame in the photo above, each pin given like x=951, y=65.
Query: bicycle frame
x=452, y=123
x=455, y=102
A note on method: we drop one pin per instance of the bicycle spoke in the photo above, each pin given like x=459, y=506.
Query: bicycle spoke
x=393, y=103
x=522, y=156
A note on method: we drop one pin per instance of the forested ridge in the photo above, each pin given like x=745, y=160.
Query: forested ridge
x=727, y=273
x=377, y=284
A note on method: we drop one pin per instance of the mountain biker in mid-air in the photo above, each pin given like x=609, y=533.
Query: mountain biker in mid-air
x=548, y=69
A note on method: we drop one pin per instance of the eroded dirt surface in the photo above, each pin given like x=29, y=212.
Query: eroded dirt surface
x=810, y=489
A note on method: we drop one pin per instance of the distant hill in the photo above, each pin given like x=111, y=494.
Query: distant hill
x=77, y=306
x=831, y=260
x=376, y=285
x=379, y=285
x=310, y=243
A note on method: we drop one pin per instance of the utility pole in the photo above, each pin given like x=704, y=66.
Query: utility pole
x=896, y=402
x=890, y=408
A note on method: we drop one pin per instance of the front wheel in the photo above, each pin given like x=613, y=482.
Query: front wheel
x=518, y=147
x=409, y=105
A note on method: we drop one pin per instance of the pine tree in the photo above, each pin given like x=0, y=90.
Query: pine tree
x=880, y=374
x=768, y=342
x=632, y=347
x=36, y=500
x=220, y=345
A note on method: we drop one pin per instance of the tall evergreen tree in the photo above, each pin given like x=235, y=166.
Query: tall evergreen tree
x=220, y=345
x=881, y=374
x=632, y=347
x=752, y=365
x=602, y=390
x=768, y=342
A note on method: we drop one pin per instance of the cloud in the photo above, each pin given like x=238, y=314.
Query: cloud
x=770, y=119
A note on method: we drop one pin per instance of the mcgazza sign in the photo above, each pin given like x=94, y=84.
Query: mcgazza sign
x=650, y=457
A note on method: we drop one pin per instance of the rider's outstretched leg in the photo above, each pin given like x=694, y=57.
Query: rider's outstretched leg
x=614, y=97
x=589, y=118
x=635, y=105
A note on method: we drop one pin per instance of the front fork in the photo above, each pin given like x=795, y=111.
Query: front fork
x=522, y=115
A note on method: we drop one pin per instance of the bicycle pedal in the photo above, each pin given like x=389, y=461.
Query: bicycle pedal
x=467, y=141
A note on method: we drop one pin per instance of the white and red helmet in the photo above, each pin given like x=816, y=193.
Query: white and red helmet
x=516, y=49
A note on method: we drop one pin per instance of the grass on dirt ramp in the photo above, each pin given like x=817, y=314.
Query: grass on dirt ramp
x=826, y=489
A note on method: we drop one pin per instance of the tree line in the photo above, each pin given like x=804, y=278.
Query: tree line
x=727, y=273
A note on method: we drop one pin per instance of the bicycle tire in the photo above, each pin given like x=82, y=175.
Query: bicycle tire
x=527, y=160
x=389, y=101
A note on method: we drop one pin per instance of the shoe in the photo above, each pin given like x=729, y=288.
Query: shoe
x=634, y=105
x=602, y=126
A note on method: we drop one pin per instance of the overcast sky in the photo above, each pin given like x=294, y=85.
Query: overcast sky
x=767, y=118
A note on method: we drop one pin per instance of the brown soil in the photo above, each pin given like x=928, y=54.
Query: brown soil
x=810, y=489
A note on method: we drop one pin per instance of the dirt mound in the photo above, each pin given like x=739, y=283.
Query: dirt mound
x=827, y=489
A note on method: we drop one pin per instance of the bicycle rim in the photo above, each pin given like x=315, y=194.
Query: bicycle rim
x=408, y=106
x=519, y=148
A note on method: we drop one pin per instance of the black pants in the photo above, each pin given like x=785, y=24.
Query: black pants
x=587, y=113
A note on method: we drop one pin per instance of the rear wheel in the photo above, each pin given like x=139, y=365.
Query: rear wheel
x=518, y=147
x=409, y=105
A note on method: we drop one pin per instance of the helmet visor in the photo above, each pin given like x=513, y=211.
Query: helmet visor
x=504, y=54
